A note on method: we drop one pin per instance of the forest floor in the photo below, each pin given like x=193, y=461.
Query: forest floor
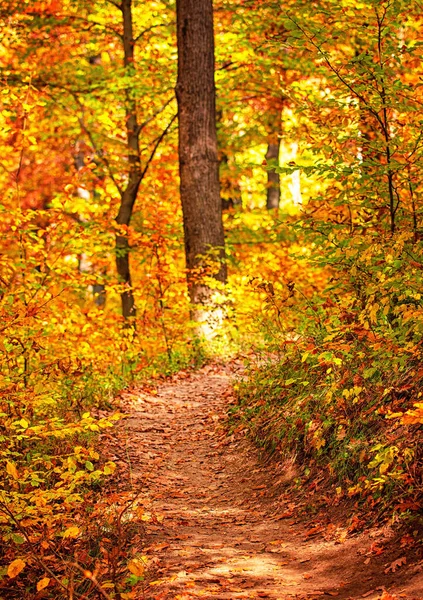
x=219, y=522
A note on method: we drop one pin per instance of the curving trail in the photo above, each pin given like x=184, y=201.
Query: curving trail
x=219, y=526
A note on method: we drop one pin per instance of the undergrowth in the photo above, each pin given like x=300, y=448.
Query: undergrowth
x=339, y=389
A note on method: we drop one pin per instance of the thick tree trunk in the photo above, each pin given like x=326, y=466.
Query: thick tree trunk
x=199, y=168
x=273, y=194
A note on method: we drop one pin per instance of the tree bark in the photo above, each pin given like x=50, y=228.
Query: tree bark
x=135, y=175
x=273, y=193
x=198, y=158
x=230, y=190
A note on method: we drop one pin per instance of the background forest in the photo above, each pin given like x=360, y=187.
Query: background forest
x=319, y=124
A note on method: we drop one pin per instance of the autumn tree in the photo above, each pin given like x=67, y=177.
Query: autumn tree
x=199, y=169
x=136, y=170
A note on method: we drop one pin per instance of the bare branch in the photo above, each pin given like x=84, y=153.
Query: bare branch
x=147, y=30
x=40, y=84
x=340, y=76
x=89, y=21
x=141, y=126
x=116, y=4
x=157, y=144
x=101, y=156
x=34, y=552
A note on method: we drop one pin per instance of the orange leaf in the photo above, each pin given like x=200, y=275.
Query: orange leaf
x=137, y=567
x=396, y=564
x=11, y=469
x=43, y=583
x=15, y=568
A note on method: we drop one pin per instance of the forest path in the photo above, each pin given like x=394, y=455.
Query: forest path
x=218, y=528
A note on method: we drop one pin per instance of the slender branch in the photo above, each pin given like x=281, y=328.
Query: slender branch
x=141, y=126
x=93, y=580
x=90, y=136
x=101, y=156
x=4, y=508
x=157, y=144
x=116, y=4
x=40, y=84
x=391, y=188
x=338, y=74
x=96, y=23
x=147, y=30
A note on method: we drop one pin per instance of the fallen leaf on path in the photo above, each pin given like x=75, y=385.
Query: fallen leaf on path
x=314, y=530
x=157, y=582
x=376, y=549
x=396, y=564
x=407, y=541
x=285, y=515
x=158, y=547
x=181, y=574
x=342, y=537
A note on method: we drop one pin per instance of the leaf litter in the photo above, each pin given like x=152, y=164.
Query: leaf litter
x=218, y=520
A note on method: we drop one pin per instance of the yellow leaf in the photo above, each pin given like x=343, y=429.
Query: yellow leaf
x=109, y=468
x=43, y=583
x=105, y=57
x=71, y=532
x=15, y=568
x=137, y=567
x=11, y=469
x=23, y=423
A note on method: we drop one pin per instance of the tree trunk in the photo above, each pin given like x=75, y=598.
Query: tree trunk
x=230, y=190
x=85, y=265
x=198, y=159
x=273, y=195
x=129, y=194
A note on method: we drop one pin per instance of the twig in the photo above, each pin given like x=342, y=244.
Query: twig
x=158, y=142
x=141, y=126
x=147, y=30
x=35, y=554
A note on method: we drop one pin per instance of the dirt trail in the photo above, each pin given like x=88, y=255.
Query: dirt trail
x=216, y=524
